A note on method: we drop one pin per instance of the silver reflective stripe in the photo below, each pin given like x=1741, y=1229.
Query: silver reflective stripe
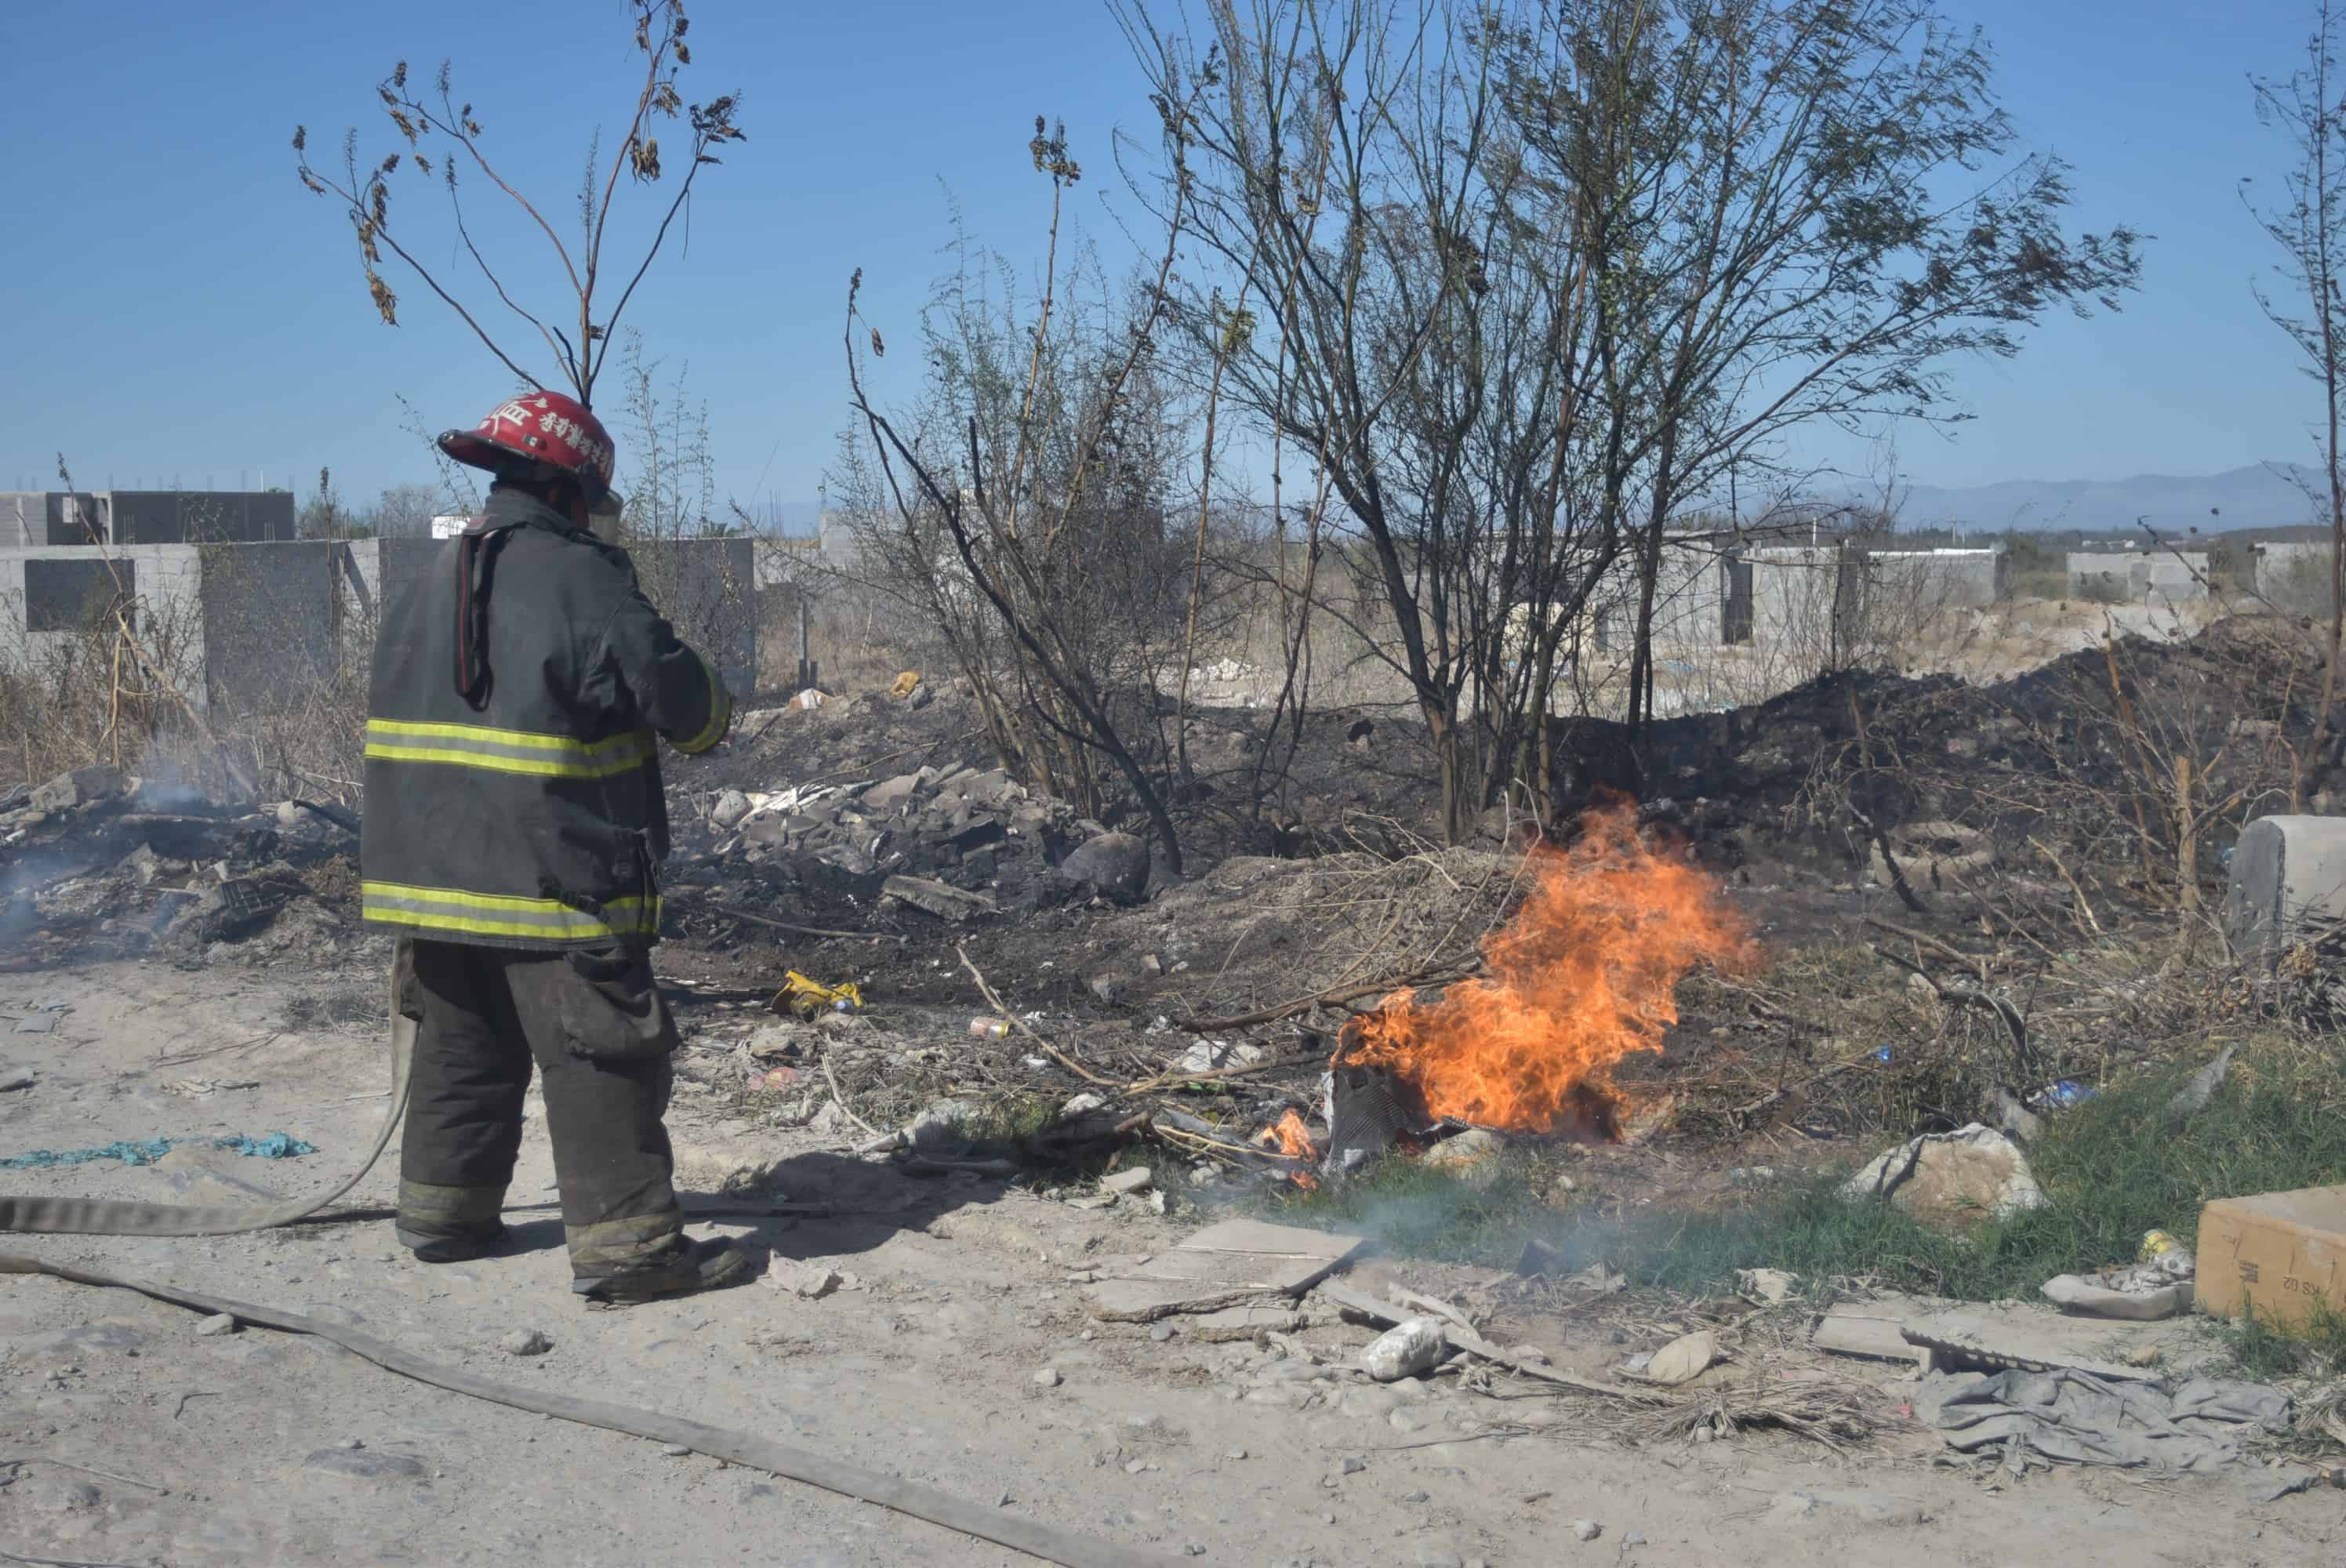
x=506, y=750
x=485, y=915
x=556, y=921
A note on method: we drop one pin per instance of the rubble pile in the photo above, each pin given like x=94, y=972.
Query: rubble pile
x=96, y=863
x=954, y=842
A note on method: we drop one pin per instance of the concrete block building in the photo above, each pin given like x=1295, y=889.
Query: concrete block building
x=246, y=624
x=145, y=516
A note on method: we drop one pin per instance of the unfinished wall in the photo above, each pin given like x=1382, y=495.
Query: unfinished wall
x=2137, y=576
x=273, y=617
x=56, y=599
x=2293, y=575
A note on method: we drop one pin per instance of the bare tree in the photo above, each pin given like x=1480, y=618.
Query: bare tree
x=1572, y=262
x=1021, y=502
x=2308, y=223
x=577, y=338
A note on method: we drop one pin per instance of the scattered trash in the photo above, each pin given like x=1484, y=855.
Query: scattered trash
x=1683, y=1358
x=809, y=1000
x=2069, y=1417
x=779, y=1078
x=989, y=1028
x=1215, y=1056
x=1772, y=1286
x=1137, y=1179
x=905, y=684
x=1412, y=1347
x=2143, y=1292
x=1882, y=1054
x=1598, y=1279
x=2154, y=1244
x=2285, y=1250
x=274, y=1147
x=146, y=1151
x=205, y=1088
x=2060, y=1096
x=1953, y=1177
x=2195, y=1094
x=809, y=700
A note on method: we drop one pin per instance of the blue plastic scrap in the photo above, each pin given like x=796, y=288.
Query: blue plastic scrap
x=275, y=1147
x=146, y=1151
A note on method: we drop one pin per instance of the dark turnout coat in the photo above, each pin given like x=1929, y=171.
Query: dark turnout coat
x=512, y=782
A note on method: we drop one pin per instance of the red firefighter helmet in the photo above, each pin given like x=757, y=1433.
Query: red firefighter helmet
x=539, y=433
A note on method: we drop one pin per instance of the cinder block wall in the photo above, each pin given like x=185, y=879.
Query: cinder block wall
x=243, y=623
x=53, y=595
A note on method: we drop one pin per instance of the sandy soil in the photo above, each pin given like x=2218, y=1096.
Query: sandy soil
x=132, y=1439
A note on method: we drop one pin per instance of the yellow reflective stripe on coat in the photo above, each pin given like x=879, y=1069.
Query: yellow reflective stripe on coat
x=721, y=712
x=506, y=750
x=487, y=914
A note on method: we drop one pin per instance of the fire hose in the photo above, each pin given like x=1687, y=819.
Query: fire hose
x=110, y=1216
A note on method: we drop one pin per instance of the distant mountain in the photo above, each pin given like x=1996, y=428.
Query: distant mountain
x=2252, y=497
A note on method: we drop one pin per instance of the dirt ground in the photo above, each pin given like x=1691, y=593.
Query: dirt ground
x=130, y=1438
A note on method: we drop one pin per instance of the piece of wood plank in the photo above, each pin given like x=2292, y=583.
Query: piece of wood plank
x=1147, y=1301
x=1256, y=1271
x=1233, y=1323
x=1285, y=1240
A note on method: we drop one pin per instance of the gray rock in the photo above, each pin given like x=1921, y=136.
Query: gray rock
x=1115, y=863
x=1586, y=1530
x=103, y=1337
x=66, y=1496
x=526, y=1342
x=1234, y=1452
x=940, y=899
x=2288, y=872
x=988, y=788
x=729, y=806
x=366, y=1464
x=213, y=1327
x=940, y=1123
x=890, y=793
x=1160, y=1332
x=1104, y=987
x=1352, y=1464
x=78, y=787
x=1049, y=1377
x=1139, y=1178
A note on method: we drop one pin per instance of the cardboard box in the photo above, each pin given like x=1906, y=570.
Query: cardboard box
x=2282, y=1252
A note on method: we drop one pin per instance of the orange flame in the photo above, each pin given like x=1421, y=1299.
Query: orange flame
x=1293, y=1138
x=1581, y=977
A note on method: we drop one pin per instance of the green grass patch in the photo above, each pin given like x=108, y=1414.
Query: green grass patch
x=2116, y=1166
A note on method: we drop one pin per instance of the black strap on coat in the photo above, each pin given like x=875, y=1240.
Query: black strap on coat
x=476, y=559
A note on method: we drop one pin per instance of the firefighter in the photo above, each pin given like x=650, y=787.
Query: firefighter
x=515, y=823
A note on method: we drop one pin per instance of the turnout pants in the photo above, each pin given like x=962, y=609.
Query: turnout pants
x=594, y=1024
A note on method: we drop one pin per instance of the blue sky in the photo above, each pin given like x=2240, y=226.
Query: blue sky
x=180, y=310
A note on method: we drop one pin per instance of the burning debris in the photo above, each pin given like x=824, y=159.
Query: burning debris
x=1583, y=976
